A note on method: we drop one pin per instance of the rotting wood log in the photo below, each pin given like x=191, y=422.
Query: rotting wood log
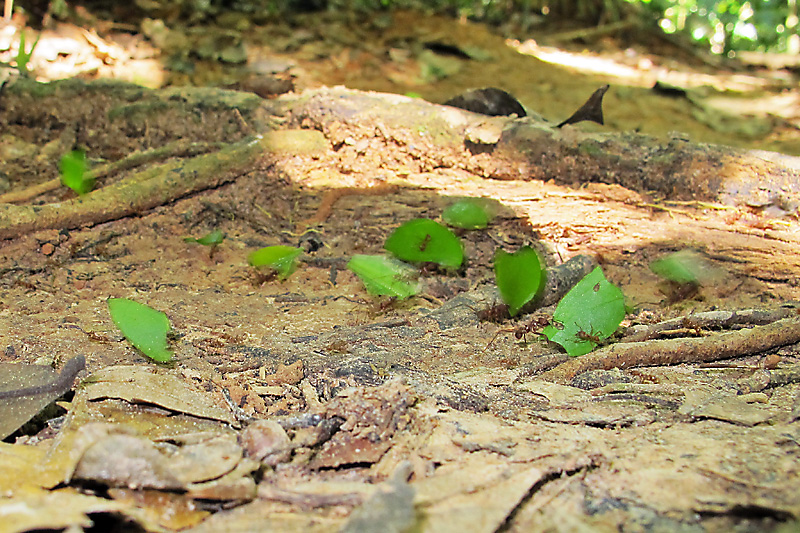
x=418, y=134
x=527, y=148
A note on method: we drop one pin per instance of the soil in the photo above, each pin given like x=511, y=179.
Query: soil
x=436, y=420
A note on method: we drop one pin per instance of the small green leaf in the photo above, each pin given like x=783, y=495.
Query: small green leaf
x=73, y=172
x=468, y=213
x=282, y=259
x=590, y=312
x=520, y=276
x=423, y=240
x=212, y=238
x=683, y=267
x=384, y=276
x=143, y=326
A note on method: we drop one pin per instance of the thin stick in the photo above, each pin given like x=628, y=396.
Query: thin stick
x=156, y=186
x=674, y=351
x=175, y=149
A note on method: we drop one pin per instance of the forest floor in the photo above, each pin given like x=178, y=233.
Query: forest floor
x=389, y=416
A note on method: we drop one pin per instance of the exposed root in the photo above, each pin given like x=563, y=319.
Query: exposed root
x=176, y=149
x=155, y=186
x=333, y=195
x=684, y=350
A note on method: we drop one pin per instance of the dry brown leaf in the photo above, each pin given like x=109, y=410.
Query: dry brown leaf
x=18, y=462
x=474, y=497
x=127, y=461
x=268, y=516
x=154, y=509
x=148, y=385
x=38, y=509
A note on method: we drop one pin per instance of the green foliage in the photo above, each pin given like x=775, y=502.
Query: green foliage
x=143, y=326
x=520, y=276
x=213, y=238
x=384, y=276
x=728, y=25
x=24, y=55
x=281, y=259
x=590, y=312
x=423, y=240
x=73, y=172
x=468, y=213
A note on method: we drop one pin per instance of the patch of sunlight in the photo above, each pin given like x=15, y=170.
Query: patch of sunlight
x=644, y=74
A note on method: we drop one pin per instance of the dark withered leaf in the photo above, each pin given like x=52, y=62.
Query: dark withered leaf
x=591, y=110
x=27, y=389
x=489, y=101
x=446, y=49
x=665, y=89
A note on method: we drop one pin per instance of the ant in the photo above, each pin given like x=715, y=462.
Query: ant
x=592, y=336
x=424, y=244
x=533, y=326
x=495, y=313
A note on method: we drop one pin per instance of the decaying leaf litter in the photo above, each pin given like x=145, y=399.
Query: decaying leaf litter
x=399, y=415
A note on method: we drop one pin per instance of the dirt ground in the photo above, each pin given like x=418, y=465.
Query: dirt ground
x=309, y=405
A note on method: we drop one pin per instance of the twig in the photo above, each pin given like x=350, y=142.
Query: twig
x=674, y=351
x=155, y=186
x=333, y=195
x=176, y=149
x=712, y=319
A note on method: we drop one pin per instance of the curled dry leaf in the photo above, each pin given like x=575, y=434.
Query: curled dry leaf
x=148, y=385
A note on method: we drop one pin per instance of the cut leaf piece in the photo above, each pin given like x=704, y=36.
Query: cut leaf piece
x=73, y=172
x=467, y=213
x=520, y=276
x=213, y=238
x=423, y=240
x=282, y=259
x=685, y=266
x=143, y=326
x=384, y=276
x=589, y=313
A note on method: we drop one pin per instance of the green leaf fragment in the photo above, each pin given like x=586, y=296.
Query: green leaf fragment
x=212, y=238
x=73, y=172
x=143, y=326
x=520, y=276
x=384, y=276
x=469, y=213
x=282, y=259
x=589, y=313
x=684, y=267
x=423, y=240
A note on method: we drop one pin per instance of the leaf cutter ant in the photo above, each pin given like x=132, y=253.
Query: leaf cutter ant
x=495, y=313
x=424, y=244
x=592, y=336
x=534, y=326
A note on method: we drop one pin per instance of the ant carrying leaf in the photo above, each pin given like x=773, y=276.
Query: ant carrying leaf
x=592, y=336
x=495, y=313
x=534, y=326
